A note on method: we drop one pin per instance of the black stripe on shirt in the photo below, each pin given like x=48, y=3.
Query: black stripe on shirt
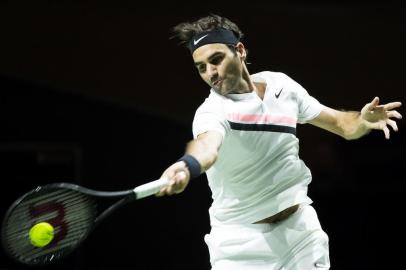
x=262, y=127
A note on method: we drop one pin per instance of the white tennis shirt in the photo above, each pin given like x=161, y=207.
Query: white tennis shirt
x=258, y=172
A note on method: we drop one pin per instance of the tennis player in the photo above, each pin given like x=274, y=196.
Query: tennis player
x=245, y=141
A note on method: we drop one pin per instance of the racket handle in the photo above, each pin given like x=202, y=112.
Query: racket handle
x=150, y=188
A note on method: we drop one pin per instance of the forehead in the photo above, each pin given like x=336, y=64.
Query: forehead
x=202, y=53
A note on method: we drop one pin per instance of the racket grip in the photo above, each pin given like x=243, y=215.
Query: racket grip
x=150, y=188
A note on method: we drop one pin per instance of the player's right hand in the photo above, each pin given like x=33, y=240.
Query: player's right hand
x=178, y=176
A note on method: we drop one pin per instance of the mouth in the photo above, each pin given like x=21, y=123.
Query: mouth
x=217, y=83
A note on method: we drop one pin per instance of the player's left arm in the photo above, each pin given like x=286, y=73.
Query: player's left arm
x=353, y=125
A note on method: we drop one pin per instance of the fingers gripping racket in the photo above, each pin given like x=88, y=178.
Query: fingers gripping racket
x=71, y=210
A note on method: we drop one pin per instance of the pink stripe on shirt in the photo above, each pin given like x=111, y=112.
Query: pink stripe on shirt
x=262, y=119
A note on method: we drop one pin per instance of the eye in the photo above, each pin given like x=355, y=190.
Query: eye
x=201, y=68
x=217, y=60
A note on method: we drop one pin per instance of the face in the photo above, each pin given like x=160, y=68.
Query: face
x=220, y=67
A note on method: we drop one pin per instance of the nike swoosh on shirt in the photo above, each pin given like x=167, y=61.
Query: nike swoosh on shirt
x=197, y=41
x=280, y=91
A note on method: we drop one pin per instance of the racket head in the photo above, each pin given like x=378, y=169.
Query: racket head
x=71, y=212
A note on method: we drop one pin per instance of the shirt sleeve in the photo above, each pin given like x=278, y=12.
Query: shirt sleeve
x=210, y=117
x=308, y=107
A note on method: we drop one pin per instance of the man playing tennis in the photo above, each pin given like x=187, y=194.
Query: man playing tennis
x=244, y=139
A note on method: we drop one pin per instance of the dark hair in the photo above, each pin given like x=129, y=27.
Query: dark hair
x=187, y=30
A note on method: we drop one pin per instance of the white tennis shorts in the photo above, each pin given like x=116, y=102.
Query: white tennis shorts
x=297, y=243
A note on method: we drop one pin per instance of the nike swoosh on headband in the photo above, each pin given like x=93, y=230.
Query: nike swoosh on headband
x=197, y=41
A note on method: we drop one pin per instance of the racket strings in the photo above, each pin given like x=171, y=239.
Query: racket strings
x=71, y=213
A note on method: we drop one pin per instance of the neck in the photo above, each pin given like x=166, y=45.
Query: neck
x=247, y=85
x=257, y=87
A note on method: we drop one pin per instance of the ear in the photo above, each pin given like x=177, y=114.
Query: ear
x=241, y=52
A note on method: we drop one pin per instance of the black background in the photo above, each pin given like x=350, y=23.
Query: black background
x=96, y=94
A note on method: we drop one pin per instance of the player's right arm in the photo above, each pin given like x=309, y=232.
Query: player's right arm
x=204, y=149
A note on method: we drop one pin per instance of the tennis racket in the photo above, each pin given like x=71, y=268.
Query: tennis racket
x=71, y=209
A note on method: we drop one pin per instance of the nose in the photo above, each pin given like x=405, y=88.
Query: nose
x=211, y=71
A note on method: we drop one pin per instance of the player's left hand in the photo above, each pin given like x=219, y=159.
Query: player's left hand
x=377, y=116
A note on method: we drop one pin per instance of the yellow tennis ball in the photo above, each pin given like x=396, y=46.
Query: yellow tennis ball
x=41, y=234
